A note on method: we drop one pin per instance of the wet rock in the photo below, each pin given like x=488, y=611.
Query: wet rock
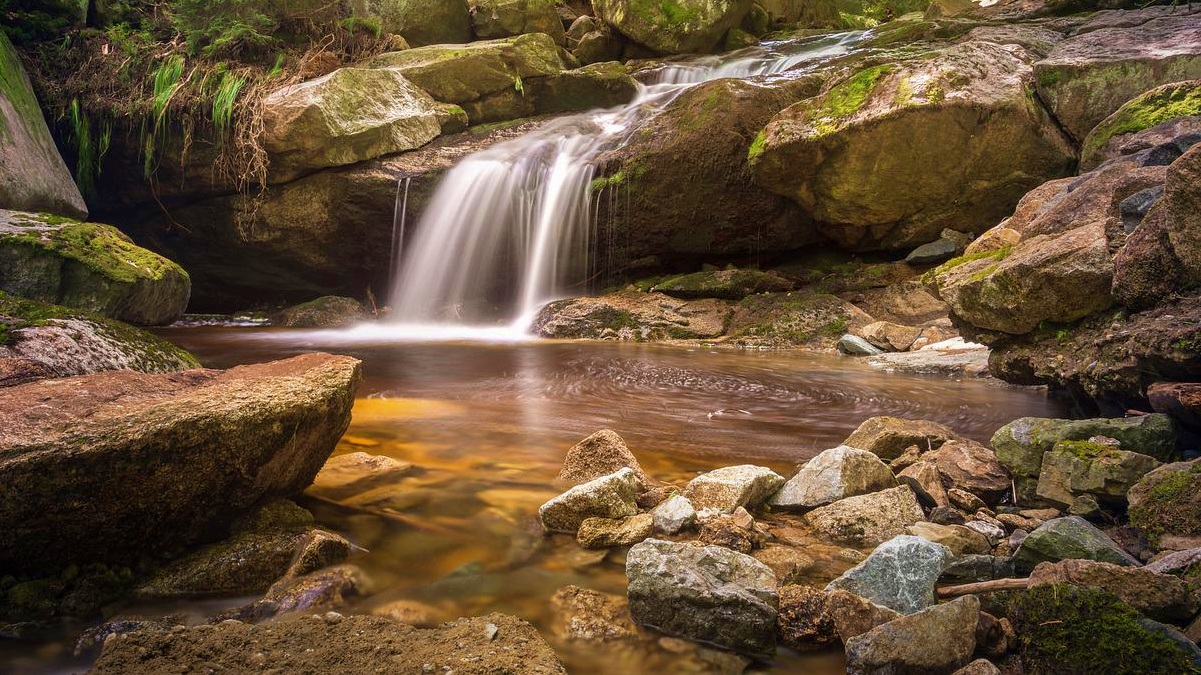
x=724, y=284
x=586, y=615
x=674, y=514
x=725, y=530
x=853, y=345
x=608, y=532
x=277, y=422
x=787, y=562
x=355, y=473
x=688, y=27
x=328, y=311
x=946, y=515
x=610, y=496
x=632, y=317
x=323, y=590
x=709, y=594
x=971, y=467
x=888, y=437
x=854, y=615
x=832, y=475
x=598, y=85
x=966, y=569
x=939, y=639
x=729, y=487
x=1166, y=503
x=890, y=337
x=1075, y=469
x=867, y=519
x=1020, y=445
x=805, y=622
x=1159, y=596
x=900, y=574
x=601, y=454
x=994, y=637
x=926, y=482
x=1067, y=538
x=957, y=538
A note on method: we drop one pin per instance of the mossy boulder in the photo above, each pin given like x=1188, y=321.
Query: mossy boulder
x=60, y=342
x=345, y=117
x=1021, y=444
x=599, y=85
x=1076, y=468
x=725, y=284
x=421, y=22
x=884, y=157
x=1150, y=109
x=506, y=18
x=1166, y=503
x=632, y=316
x=797, y=319
x=328, y=311
x=1090, y=76
x=33, y=176
x=803, y=13
x=1068, y=538
x=88, y=266
x=673, y=26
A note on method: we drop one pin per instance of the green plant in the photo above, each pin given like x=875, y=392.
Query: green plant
x=221, y=27
x=224, y=99
x=90, y=146
x=518, y=85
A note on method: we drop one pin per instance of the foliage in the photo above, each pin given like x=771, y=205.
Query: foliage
x=35, y=20
x=222, y=28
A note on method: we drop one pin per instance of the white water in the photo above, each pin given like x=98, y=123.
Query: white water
x=514, y=220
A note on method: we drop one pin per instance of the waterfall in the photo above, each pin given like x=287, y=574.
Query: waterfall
x=509, y=227
x=400, y=211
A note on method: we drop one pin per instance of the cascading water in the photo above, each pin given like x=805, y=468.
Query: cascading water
x=516, y=217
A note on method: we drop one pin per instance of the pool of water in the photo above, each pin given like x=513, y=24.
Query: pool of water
x=486, y=427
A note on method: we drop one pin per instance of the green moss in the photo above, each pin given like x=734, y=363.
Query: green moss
x=1148, y=110
x=101, y=248
x=667, y=13
x=1085, y=449
x=1048, y=77
x=1172, y=504
x=998, y=255
x=757, y=146
x=625, y=174
x=845, y=99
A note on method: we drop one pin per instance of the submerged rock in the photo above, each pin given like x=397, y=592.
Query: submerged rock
x=940, y=639
x=324, y=590
x=611, y=496
x=900, y=574
x=590, y=616
x=632, y=317
x=601, y=454
x=868, y=519
x=1067, y=538
x=729, y=487
x=832, y=475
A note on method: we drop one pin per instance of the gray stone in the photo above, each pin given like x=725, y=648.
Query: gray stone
x=854, y=345
x=832, y=475
x=704, y=593
x=868, y=519
x=900, y=574
x=608, y=532
x=966, y=569
x=940, y=639
x=1076, y=469
x=993, y=532
x=673, y=515
x=1067, y=538
x=936, y=251
x=610, y=496
x=729, y=487
x=1020, y=445
x=1176, y=562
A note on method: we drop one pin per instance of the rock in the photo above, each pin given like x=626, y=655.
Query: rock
x=805, y=622
x=971, y=467
x=598, y=45
x=344, y=476
x=586, y=615
x=329, y=311
x=1160, y=596
x=936, y=251
x=345, y=117
x=724, y=284
x=950, y=358
x=1166, y=504
x=891, y=337
x=708, y=594
x=957, y=538
x=39, y=341
x=1021, y=444
x=965, y=500
x=1076, y=468
x=867, y=519
x=1013, y=521
x=854, y=615
x=946, y=515
x=1180, y=400
x=847, y=156
x=506, y=18
x=787, y=562
x=324, y=590
x=1162, y=105
x=33, y=176
x=632, y=316
x=900, y=574
x=926, y=482
x=355, y=644
x=601, y=454
x=726, y=531
x=599, y=85
x=888, y=437
x=411, y=612
x=832, y=475
x=978, y=667
x=1179, y=563
x=853, y=345
x=968, y=569
x=681, y=27
x=1068, y=538
x=88, y=266
x=276, y=421
x=607, y=532
x=610, y=496
x=939, y=639
x=423, y=22
x=1089, y=76
x=788, y=320
x=993, y=531
x=729, y=487
x=674, y=514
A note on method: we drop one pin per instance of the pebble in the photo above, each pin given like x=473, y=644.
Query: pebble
x=490, y=631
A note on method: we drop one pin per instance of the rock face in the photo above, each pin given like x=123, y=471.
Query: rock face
x=868, y=519
x=348, y=116
x=676, y=27
x=1160, y=596
x=708, y=594
x=888, y=437
x=88, y=266
x=1176, y=106
x=610, y=496
x=940, y=639
x=1166, y=503
x=311, y=643
x=150, y=456
x=506, y=18
x=1087, y=77
x=900, y=574
x=850, y=156
x=834, y=474
x=1068, y=538
x=33, y=176
x=600, y=454
x=724, y=284
x=729, y=487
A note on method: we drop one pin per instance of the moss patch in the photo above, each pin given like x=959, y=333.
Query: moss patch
x=757, y=146
x=1172, y=504
x=845, y=99
x=1148, y=110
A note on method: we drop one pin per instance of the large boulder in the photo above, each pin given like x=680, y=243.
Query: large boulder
x=328, y=311
x=889, y=437
x=33, y=176
x=940, y=639
x=345, y=117
x=881, y=158
x=900, y=574
x=506, y=18
x=1089, y=76
x=676, y=26
x=1177, y=105
x=600, y=454
x=806, y=319
x=832, y=475
x=88, y=266
x=870, y=519
x=632, y=316
x=704, y=593
x=421, y=22
x=1021, y=444
x=1160, y=596
x=1166, y=504
x=1073, y=469
x=1068, y=538
x=972, y=467
x=115, y=464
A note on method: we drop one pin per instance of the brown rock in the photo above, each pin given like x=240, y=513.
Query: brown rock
x=926, y=482
x=1181, y=400
x=972, y=467
x=889, y=336
x=600, y=454
x=1160, y=596
x=786, y=561
x=889, y=437
x=607, y=532
x=725, y=531
x=853, y=615
x=993, y=636
x=591, y=616
x=959, y=539
x=805, y=621
x=14, y=371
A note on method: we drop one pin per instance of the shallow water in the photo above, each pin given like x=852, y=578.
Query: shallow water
x=486, y=427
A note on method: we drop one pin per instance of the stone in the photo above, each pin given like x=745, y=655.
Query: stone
x=868, y=519
x=632, y=317
x=729, y=487
x=597, y=85
x=348, y=116
x=832, y=475
x=1070, y=537
x=683, y=27
x=854, y=615
x=926, y=482
x=141, y=444
x=853, y=345
x=33, y=176
x=324, y=590
x=994, y=637
x=971, y=467
x=900, y=574
x=1179, y=563
x=673, y=515
x=704, y=593
x=1160, y=596
x=1020, y=445
x=802, y=319
x=607, y=532
x=610, y=496
x=788, y=562
x=600, y=454
x=891, y=337
x=411, y=612
x=506, y=18
x=939, y=639
x=1180, y=400
x=589, y=616
x=968, y=569
x=936, y=251
x=329, y=311
x=978, y=667
x=725, y=284
x=725, y=530
x=965, y=500
x=354, y=643
x=1166, y=503
x=994, y=532
x=957, y=538
x=354, y=473
x=888, y=437
x=422, y=22
x=805, y=622
x=88, y=266
x=1169, y=105
x=1013, y=521
x=1073, y=469
x=946, y=515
